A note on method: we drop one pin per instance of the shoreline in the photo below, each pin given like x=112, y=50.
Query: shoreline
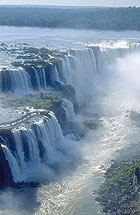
x=119, y=194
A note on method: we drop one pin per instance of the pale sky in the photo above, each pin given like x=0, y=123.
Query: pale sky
x=75, y=2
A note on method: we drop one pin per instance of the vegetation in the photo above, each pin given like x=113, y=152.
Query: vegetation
x=31, y=56
x=91, y=125
x=138, y=205
x=25, y=55
x=79, y=18
x=37, y=101
x=119, y=193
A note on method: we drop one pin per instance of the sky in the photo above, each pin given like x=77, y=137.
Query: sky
x=74, y=2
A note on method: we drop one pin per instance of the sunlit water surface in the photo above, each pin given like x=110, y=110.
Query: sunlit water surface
x=74, y=194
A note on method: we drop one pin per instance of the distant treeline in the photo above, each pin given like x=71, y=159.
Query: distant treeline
x=79, y=18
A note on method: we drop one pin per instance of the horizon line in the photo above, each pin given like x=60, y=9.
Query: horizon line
x=38, y=5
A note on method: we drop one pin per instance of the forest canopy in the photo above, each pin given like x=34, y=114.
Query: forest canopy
x=77, y=18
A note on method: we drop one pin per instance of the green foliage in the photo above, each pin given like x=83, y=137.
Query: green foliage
x=17, y=64
x=118, y=194
x=138, y=205
x=91, y=125
x=39, y=101
x=51, y=101
x=38, y=57
x=46, y=103
x=82, y=18
x=120, y=177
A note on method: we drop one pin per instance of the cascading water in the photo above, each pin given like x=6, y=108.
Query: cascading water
x=40, y=78
x=55, y=75
x=16, y=80
x=37, y=145
x=41, y=146
x=69, y=111
x=80, y=68
x=39, y=151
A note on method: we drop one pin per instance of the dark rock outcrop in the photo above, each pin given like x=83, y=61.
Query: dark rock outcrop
x=68, y=92
x=6, y=138
x=137, y=174
x=6, y=178
x=6, y=81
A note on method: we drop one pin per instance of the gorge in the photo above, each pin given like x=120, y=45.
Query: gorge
x=86, y=94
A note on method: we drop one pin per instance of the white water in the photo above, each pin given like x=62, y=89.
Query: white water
x=57, y=149
x=81, y=69
x=74, y=194
x=69, y=111
x=62, y=38
x=117, y=93
x=20, y=81
x=40, y=78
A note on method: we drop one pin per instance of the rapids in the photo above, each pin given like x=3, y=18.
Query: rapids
x=106, y=80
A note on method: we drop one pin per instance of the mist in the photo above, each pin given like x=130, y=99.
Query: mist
x=121, y=3
x=90, y=80
x=128, y=70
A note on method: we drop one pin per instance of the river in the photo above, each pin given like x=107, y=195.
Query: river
x=113, y=100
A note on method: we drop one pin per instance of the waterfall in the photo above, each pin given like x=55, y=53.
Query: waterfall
x=55, y=75
x=21, y=81
x=15, y=169
x=40, y=150
x=80, y=68
x=110, y=55
x=40, y=78
x=39, y=146
x=16, y=80
x=69, y=111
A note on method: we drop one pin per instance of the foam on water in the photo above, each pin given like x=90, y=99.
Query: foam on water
x=116, y=95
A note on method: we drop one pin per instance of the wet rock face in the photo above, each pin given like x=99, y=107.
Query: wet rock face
x=6, y=178
x=6, y=82
x=137, y=174
x=51, y=103
x=6, y=138
x=68, y=92
x=78, y=130
x=31, y=72
x=40, y=144
x=119, y=193
x=60, y=115
x=48, y=75
x=36, y=76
